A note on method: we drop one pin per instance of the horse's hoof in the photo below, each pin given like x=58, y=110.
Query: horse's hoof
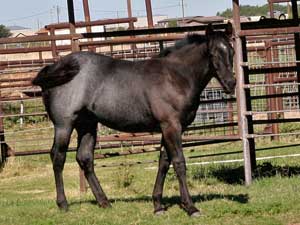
x=160, y=212
x=105, y=204
x=63, y=206
x=196, y=214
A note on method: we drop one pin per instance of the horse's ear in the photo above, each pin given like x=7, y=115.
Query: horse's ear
x=209, y=29
x=229, y=29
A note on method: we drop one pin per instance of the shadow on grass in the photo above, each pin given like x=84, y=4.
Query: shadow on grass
x=174, y=200
x=231, y=175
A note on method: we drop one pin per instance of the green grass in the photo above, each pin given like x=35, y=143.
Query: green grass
x=27, y=191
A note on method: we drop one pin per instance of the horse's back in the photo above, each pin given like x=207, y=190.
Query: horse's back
x=113, y=90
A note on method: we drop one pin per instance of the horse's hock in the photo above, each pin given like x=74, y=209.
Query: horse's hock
x=267, y=57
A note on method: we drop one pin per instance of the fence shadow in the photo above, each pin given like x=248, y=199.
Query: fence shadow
x=236, y=175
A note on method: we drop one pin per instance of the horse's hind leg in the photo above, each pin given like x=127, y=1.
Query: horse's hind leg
x=163, y=168
x=58, y=157
x=87, y=133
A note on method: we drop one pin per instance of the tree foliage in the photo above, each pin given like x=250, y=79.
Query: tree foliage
x=4, y=31
x=247, y=10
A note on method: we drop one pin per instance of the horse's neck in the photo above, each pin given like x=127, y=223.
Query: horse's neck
x=193, y=59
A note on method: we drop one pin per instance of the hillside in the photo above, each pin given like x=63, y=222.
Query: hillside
x=247, y=10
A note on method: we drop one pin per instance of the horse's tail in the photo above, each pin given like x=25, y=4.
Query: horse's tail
x=57, y=74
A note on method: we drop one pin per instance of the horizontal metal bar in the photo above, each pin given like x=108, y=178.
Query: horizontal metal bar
x=271, y=135
x=16, y=79
x=158, y=138
x=279, y=1
x=210, y=126
x=24, y=114
x=274, y=96
x=152, y=31
x=34, y=49
x=224, y=110
x=109, y=146
x=282, y=69
x=208, y=101
x=131, y=40
x=24, y=62
x=269, y=112
x=18, y=99
x=92, y=23
x=40, y=38
x=269, y=31
x=247, y=86
x=270, y=121
x=269, y=63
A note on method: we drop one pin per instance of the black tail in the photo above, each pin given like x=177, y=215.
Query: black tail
x=57, y=74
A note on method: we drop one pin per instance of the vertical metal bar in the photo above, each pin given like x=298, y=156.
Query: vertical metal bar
x=53, y=44
x=271, y=91
x=86, y=10
x=297, y=44
x=249, y=118
x=3, y=145
x=271, y=8
x=240, y=92
x=82, y=181
x=87, y=18
x=161, y=46
x=294, y=9
x=149, y=13
x=71, y=15
x=71, y=12
x=131, y=23
x=129, y=10
x=230, y=117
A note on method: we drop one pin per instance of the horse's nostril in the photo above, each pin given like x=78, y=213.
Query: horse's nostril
x=232, y=83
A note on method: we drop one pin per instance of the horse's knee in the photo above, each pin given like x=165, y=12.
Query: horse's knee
x=58, y=160
x=179, y=167
x=85, y=161
x=164, y=166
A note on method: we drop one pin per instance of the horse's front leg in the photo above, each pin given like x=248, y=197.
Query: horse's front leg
x=172, y=135
x=163, y=167
x=58, y=157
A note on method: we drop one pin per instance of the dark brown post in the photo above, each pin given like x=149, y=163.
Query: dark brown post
x=82, y=181
x=230, y=117
x=3, y=145
x=271, y=91
x=149, y=13
x=271, y=8
x=71, y=16
x=74, y=42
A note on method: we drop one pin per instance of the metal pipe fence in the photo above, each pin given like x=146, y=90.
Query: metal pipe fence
x=268, y=95
x=27, y=128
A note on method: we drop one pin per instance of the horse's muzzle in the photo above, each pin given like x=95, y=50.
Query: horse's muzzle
x=230, y=87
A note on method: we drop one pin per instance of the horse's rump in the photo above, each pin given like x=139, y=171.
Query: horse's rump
x=58, y=73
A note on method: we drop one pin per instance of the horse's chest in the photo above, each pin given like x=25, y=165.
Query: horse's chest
x=188, y=117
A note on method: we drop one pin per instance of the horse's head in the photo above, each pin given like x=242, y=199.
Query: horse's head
x=221, y=57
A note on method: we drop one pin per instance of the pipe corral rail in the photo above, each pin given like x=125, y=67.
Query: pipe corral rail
x=266, y=65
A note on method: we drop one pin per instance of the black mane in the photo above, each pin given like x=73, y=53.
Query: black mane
x=190, y=39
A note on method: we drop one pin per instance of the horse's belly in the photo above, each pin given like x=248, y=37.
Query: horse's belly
x=130, y=124
x=126, y=118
